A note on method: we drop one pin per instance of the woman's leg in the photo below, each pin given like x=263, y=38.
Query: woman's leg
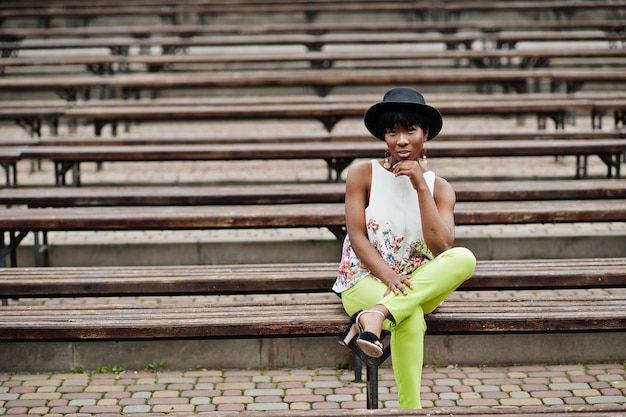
x=432, y=282
x=407, y=354
x=407, y=339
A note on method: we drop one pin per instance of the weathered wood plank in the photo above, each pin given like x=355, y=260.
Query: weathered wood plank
x=289, y=319
x=318, y=78
x=319, y=150
x=322, y=59
x=291, y=215
x=288, y=278
x=185, y=30
x=181, y=195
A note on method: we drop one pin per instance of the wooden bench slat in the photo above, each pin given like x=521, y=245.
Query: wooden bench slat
x=296, y=193
x=319, y=110
x=315, y=41
x=297, y=7
x=80, y=140
x=176, y=321
x=188, y=30
x=328, y=77
x=292, y=215
x=313, y=57
x=315, y=150
x=289, y=278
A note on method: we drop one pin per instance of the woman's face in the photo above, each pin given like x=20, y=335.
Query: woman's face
x=405, y=143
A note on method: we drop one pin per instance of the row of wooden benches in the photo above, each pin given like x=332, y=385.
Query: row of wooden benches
x=18, y=222
x=296, y=193
x=315, y=42
x=420, y=10
x=337, y=155
x=10, y=148
x=322, y=81
x=611, y=26
x=493, y=58
x=33, y=115
x=287, y=137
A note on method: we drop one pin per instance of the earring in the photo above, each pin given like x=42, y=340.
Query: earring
x=423, y=159
x=387, y=162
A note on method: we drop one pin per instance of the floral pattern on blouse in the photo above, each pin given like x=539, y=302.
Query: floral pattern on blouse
x=402, y=258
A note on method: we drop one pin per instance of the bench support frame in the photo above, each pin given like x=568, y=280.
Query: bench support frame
x=371, y=366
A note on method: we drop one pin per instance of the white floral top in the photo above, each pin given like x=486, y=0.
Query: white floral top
x=393, y=226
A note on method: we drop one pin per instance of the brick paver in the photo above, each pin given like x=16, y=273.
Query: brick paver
x=308, y=389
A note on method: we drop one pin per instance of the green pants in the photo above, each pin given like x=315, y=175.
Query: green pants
x=432, y=283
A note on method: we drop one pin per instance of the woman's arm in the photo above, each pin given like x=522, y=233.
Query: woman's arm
x=437, y=212
x=438, y=218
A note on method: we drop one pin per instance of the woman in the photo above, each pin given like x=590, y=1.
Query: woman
x=398, y=263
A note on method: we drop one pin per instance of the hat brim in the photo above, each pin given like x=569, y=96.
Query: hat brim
x=431, y=114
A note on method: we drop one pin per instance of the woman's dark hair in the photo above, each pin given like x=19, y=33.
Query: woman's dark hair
x=402, y=116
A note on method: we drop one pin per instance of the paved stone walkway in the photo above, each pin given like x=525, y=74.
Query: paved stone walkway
x=216, y=391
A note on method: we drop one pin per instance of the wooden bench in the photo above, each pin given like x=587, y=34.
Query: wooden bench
x=33, y=117
x=17, y=223
x=180, y=195
x=611, y=27
x=167, y=139
x=330, y=112
x=33, y=114
x=337, y=155
x=322, y=81
x=320, y=315
x=170, y=13
x=313, y=42
x=508, y=58
x=123, y=281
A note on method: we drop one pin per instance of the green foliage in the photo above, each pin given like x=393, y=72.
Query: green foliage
x=79, y=369
x=154, y=366
x=109, y=369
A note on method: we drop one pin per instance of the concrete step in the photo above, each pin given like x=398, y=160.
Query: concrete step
x=259, y=353
x=530, y=241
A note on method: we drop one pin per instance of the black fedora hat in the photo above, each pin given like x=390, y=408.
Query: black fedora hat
x=404, y=97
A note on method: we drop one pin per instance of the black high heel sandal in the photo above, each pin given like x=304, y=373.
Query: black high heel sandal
x=367, y=341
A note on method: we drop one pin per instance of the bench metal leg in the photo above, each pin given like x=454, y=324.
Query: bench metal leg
x=10, y=170
x=40, y=248
x=10, y=250
x=337, y=166
x=371, y=366
x=581, y=166
x=612, y=161
x=61, y=168
x=3, y=301
x=596, y=119
x=619, y=117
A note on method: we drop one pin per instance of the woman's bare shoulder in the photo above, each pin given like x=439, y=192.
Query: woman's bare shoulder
x=359, y=174
x=443, y=188
x=361, y=164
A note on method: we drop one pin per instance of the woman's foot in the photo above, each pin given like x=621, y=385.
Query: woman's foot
x=370, y=324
